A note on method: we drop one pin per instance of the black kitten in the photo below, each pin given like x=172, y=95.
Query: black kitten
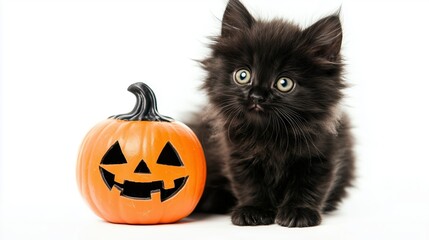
x=277, y=144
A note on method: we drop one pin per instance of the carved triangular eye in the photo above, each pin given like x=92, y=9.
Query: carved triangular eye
x=142, y=168
x=169, y=156
x=114, y=155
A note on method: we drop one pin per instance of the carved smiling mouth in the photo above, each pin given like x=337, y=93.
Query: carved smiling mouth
x=142, y=190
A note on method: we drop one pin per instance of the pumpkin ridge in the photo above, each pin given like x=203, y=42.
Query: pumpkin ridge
x=101, y=128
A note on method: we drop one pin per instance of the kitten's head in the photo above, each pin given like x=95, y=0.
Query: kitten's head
x=270, y=72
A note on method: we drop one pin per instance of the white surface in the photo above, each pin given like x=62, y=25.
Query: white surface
x=66, y=64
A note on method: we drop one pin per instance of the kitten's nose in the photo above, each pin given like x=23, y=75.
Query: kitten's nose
x=257, y=96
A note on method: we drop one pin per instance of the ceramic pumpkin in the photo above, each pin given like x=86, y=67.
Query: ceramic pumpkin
x=141, y=167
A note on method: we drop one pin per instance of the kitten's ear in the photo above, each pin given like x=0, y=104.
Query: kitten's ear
x=325, y=37
x=235, y=18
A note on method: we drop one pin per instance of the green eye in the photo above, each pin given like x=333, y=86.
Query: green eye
x=285, y=84
x=242, y=76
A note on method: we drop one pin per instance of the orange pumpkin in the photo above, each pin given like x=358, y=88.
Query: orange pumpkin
x=141, y=167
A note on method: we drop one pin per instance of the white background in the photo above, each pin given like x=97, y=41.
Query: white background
x=65, y=65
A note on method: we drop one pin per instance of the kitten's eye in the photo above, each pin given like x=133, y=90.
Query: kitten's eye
x=242, y=76
x=285, y=84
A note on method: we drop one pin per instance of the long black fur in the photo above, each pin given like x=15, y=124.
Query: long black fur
x=291, y=159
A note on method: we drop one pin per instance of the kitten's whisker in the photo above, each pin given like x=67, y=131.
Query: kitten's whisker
x=280, y=126
x=306, y=134
x=297, y=124
x=283, y=117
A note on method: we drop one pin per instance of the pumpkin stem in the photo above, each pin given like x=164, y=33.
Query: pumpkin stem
x=145, y=108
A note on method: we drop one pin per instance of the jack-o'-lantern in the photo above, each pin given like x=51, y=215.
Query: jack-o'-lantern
x=141, y=167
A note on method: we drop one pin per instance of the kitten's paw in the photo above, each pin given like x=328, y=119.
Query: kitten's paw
x=252, y=216
x=298, y=217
